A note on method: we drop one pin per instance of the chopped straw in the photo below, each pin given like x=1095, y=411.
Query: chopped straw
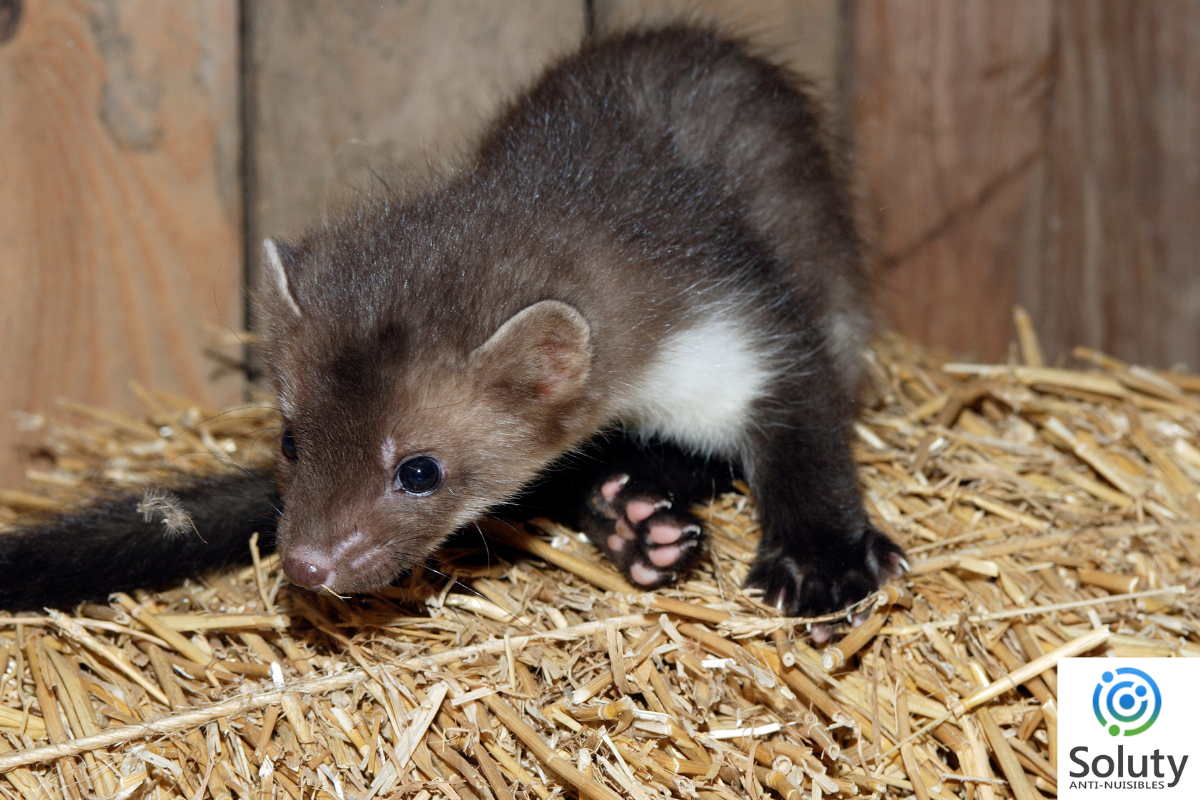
x=1047, y=512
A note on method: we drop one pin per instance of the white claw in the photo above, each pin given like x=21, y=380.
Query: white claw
x=904, y=564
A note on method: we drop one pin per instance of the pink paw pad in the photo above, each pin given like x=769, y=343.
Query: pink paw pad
x=638, y=510
x=644, y=575
x=665, y=534
x=664, y=556
x=821, y=633
x=611, y=488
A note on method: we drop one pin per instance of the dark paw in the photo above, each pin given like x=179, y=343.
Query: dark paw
x=649, y=540
x=808, y=584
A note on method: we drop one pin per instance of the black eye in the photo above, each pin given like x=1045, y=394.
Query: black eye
x=419, y=475
x=287, y=443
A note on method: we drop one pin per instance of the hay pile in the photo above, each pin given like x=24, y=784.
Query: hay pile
x=1046, y=512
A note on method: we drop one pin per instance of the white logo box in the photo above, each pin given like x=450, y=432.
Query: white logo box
x=1128, y=728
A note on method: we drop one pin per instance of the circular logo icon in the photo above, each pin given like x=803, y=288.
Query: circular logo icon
x=1126, y=700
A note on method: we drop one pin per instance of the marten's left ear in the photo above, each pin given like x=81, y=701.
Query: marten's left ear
x=278, y=261
x=542, y=352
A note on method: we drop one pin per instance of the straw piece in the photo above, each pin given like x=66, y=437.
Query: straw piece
x=482, y=607
x=607, y=677
x=1036, y=667
x=418, y=724
x=816, y=771
x=80, y=714
x=1117, y=584
x=1018, y=781
x=515, y=535
x=1028, y=755
x=605, y=713
x=1002, y=510
x=1031, y=351
x=22, y=778
x=180, y=643
x=519, y=773
x=115, y=657
x=1050, y=717
x=680, y=608
x=544, y=753
x=33, y=724
x=1094, y=458
x=1093, y=383
x=800, y=683
x=173, y=723
x=224, y=622
x=710, y=641
x=1094, y=488
x=836, y=655
x=1050, y=608
x=778, y=782
x=906, y=750
x=783, y=648
x=54, y=726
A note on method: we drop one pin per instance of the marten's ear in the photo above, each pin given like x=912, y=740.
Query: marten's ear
x=278, y=262
x=543, y=352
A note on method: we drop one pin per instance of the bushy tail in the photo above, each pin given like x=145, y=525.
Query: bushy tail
x=108, y=545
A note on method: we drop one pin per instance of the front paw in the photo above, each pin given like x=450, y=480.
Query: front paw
x=814, y=582
x=641, y=531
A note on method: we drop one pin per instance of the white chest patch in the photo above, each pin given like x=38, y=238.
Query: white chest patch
x=699, y=389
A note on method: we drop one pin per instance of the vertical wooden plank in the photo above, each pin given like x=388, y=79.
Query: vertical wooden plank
x=949, y=108
x=807, y=35
x=1121, y=266
x=119, y=201
x=337, y=88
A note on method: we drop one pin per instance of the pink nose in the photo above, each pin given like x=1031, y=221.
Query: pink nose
x=305, y=573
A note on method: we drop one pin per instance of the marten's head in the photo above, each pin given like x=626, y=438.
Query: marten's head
x=407, y=411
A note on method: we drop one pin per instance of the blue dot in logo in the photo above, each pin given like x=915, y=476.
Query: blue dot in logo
x=1141, y=691
x=1106, y=677
x=1126, y=702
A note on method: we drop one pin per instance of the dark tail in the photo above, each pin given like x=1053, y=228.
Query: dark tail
x=107, y=546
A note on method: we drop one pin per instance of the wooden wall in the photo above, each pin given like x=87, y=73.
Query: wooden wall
x=120, y=201
x=1037, y=151
x=339, y=90
x=1045, y=152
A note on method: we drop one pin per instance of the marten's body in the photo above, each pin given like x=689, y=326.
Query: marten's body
x=653, y=240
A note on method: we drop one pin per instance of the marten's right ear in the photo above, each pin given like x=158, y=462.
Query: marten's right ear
x=278, y=262
x=544, y=352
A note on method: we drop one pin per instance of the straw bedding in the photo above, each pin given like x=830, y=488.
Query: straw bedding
x=1046, y=512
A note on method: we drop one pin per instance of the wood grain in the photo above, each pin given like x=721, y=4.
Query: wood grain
x=119, y=202
x=949, y=108
x=339, y=91
x=1119, y=267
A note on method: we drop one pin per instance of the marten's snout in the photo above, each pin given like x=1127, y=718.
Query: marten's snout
x=306, y=573
x=354, y=563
